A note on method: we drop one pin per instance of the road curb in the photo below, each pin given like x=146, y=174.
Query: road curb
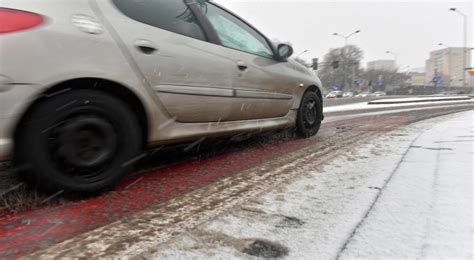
x=417, y=100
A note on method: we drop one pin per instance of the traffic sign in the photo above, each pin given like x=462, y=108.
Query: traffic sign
x=437, y=79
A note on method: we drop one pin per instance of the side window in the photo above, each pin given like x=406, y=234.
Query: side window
x=235, y=34
x=171, y=15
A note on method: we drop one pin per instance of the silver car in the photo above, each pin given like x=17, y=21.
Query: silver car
x=87, y=85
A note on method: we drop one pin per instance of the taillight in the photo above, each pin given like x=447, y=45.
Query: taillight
x=12, y=20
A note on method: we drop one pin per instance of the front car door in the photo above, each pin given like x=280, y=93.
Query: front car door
x=192, y=78
x=263, y=86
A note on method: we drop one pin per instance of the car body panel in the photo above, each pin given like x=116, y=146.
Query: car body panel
x=178, y=60
x=176, y=132
x=264, y=81
x=62, y=52
x=207, y=66
x=75, y=56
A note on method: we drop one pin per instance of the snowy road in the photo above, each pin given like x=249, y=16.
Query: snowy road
x=178, y=194
x=406, y=193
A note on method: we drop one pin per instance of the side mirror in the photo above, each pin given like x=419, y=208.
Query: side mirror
x=284, y=51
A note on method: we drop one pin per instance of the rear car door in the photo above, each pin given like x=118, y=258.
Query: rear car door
x=263, y=85
x=193, y=79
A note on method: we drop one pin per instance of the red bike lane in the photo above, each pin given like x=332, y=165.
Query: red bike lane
x=37, y=229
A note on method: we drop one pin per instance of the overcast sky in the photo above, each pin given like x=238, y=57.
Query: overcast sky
x=409, y=28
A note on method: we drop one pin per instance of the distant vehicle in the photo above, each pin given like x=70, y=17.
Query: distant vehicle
x=348, y=94
x=86, y=86
x=363, y=94
x=335, y=94
x=378, y=94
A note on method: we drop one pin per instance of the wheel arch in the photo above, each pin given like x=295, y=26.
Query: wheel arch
x=107, y=86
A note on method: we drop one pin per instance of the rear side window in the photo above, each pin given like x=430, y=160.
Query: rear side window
x=170, y=15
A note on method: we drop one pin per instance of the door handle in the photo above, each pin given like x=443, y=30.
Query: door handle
x=242, y=66
x=145, y=46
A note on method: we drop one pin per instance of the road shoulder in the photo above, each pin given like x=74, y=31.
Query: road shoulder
x=426, y=209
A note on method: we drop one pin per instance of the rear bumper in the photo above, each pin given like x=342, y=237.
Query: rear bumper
x=6, y=148
x=14, y=101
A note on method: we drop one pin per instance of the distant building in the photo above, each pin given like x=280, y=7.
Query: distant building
x=416, y=79
x=387, y=65
x=418, y=70
x=445, y=67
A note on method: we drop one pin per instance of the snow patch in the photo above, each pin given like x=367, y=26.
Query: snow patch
x=424, y=211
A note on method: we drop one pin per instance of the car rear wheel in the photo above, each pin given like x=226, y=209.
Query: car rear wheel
x=81, y=141
x=308, y=120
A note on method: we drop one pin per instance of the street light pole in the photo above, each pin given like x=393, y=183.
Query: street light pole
x=395, y=55
x=449, y=52
x=464, y=45
x=444, y=45
x=346, y=37
x=303, y=52
x=346, y=40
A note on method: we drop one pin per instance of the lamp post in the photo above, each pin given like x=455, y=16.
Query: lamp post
x=442, y=71
x=464, y=45
x=346, y=40
x=443, y=45
x=395, y=56
x=303, y=52
x=346, y=37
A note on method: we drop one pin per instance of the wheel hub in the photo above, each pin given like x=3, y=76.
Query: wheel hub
x=310, y=113
x=86, y=141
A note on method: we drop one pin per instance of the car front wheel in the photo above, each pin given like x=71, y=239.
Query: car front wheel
x=309, y=116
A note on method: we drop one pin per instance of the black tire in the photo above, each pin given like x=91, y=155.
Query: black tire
x=309, y=117
x=80, y=141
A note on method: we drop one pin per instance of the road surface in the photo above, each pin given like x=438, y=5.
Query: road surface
x=175, y=191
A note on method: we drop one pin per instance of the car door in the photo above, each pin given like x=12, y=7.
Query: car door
x=263, y=86
x=192, y=79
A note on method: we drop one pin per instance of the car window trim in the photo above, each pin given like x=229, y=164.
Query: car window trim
x=268, y=42
x=208, y=32
x=206, y=26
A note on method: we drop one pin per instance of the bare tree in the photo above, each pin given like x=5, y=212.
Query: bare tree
x=341, y=67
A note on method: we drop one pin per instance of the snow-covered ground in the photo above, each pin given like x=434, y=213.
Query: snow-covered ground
x=367, y=106
x=426, y=210
x=407, y=194
x=417, y=99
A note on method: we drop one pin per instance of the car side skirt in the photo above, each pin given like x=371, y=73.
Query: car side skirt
x=172, y=132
